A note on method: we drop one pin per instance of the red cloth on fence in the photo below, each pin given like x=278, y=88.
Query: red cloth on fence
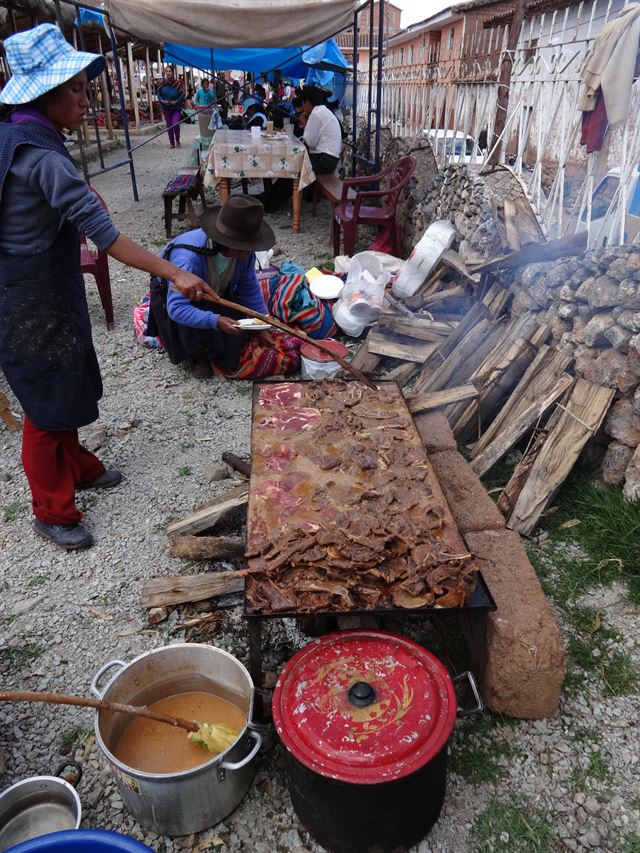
x=55, y=463
x=594, y=126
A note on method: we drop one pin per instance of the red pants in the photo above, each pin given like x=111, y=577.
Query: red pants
x=55, y=463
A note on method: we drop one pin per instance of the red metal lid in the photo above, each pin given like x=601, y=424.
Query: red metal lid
x=315, y=354
x=364, y=706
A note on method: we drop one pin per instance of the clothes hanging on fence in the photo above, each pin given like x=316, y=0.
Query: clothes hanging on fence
x=611, y=66
x=594, y=126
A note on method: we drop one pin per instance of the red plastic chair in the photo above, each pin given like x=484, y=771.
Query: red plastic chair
x=349, y=213
x=96, y=263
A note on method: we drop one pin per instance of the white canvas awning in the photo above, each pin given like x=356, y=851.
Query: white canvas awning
x=231, y=23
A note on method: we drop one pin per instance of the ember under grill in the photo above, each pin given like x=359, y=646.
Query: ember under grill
x=345, y=511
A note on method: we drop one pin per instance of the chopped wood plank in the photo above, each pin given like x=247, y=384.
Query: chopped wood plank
x=497, y=384
x=529, y=230
x=541, y=335
x=179, y=589
x=401, y=374
x=539, y=377
x=455, y=260
x=364, y=360
x=516, y=428
x=511, y=224
x=424, y=402
x=440, y=377
x=237, y=463
x=565, y=247
x=584, y=412
x=206, y=547
x=456, y=292
x=468, y=368
x=430, y=285
x=399, y=346
x=419, y=328
x=210, y=513
x=474, y=315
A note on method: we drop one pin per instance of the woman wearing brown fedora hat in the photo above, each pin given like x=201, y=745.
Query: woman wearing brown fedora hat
x=221, y=252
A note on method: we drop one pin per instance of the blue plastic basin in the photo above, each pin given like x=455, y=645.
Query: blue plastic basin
x=81, y=841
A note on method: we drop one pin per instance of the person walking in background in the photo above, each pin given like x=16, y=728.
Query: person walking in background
x=205, y=95
x=170, y=94
x=221, y=96
x=46, y=349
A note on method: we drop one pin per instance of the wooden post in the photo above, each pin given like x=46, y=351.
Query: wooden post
x=132, y=86
x=149, y=83
x=106, y=97
x=504, y=82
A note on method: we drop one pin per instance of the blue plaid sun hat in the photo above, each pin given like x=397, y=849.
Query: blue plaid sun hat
x=41, y=59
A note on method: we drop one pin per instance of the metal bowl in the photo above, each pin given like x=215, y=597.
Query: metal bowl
x=35, y=807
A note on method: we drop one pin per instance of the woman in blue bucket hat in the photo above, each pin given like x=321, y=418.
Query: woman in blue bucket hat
x=46, y=350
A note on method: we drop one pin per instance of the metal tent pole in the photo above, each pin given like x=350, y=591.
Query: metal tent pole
x=376, y=167
x=354, y=106
x=123, y=110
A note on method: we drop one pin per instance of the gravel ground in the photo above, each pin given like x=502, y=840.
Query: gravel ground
x=566, y=783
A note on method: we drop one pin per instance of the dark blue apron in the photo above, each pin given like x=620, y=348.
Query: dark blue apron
x=46, y=350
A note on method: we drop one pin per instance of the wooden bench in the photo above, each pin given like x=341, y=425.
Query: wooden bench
x=330, y=186
x=186, y=187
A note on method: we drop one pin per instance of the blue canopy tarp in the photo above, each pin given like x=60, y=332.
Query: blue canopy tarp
x=294, y=62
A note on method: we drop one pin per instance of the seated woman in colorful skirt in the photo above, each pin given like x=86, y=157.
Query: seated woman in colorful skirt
x=221, y=252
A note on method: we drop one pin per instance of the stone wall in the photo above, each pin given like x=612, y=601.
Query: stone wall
x=592, y=305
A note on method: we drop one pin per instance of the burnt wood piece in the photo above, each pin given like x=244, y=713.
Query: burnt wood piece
x=243, y=466
x=206, y=547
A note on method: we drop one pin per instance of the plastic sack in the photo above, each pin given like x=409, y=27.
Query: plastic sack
x=438, y=237
x=362, y=297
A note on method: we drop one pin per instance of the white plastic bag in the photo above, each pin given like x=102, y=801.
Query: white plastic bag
x=438, y=237
x=362, y=297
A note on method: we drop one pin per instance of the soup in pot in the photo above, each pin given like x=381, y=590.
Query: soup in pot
x=155, y=747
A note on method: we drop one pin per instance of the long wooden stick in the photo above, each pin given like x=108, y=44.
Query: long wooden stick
x=100, y=704
x=296, y=334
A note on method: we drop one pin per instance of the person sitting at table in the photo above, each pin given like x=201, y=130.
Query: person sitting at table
x=322, y=132
x=205, y=95
x=222, y=253
x=254, y=114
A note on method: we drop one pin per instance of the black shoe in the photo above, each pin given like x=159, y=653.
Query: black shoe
x=73, y=537
x=107, y=480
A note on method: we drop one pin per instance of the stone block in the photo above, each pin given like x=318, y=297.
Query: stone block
x=629, y=292
x=470, y=504
x=615, y=462
x=522, y=662
x=618, y=337
x=593, y=334
x=623, y=423
x=435, y=432
x=631, y=489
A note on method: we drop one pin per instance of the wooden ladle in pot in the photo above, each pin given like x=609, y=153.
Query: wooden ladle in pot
x=214, y=737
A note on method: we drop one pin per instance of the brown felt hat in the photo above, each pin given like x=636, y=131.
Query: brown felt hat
x=238, y=224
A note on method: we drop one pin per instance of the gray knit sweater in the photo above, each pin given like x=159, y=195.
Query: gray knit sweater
x=41, y=191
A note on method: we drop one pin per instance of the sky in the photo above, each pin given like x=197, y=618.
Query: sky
x=418, y=10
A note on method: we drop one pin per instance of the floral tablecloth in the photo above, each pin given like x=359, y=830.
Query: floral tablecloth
x=235, y=154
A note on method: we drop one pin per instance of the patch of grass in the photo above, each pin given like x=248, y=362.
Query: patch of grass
x=86, y=502
x=620, y=675
x=512, y=827
x=607, y=534
x=18, y=656
x=184, y=471
x=75, y=737
x=476, y=749
x=38, y=580
x=187, y=445
x=244, y=388
x=632, y=843
x=188, y=416
x=582, y=779
x=13, y=510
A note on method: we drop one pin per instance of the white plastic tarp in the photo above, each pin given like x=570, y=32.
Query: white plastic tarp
x=231, y=23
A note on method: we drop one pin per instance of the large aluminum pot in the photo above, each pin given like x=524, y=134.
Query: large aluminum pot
x=191, y=800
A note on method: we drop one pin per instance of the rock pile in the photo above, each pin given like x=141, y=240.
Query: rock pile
x=592, y=305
